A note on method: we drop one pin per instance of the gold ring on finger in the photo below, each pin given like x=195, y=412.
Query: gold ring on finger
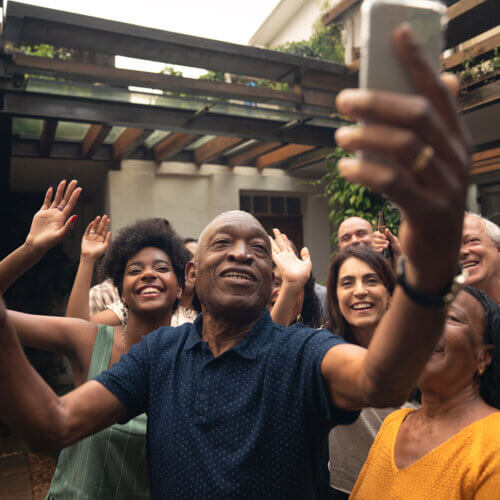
x=423, y=159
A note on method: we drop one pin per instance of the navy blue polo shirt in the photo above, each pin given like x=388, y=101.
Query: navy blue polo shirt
x=250, y=423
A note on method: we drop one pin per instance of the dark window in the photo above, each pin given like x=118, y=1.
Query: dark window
x=293, y=206
x=261, y=204
x=277, y=205
x=245, y=203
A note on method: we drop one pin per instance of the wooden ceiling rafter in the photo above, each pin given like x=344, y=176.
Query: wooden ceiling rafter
x=172, y=145
x=307, y=158
x=282, y=154
x=246, y=157
x=129, y=140
x=47, y=137
x=95, y=136
x=215, y=148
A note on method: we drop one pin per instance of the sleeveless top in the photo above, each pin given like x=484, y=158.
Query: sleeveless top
x=110, y=464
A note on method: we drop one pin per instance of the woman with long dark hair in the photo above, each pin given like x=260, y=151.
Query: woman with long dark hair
x=359, y=288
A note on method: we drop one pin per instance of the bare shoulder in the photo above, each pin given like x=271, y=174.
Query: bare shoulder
x=106, y=317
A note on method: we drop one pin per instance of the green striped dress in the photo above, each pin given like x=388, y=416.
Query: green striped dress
x=110, y=464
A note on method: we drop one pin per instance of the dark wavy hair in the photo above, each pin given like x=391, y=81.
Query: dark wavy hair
x=311, y=307
x=489, y=385
x=157, y=233
x=335, y=321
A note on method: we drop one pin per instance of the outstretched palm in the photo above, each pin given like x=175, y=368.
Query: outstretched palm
x=53, y=222
x=96, y=238
x=293, y=269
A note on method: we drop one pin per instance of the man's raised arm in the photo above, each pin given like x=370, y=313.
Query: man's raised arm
x=30, y=407
x=426, y=148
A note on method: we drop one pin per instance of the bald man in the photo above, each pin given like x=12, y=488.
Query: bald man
x=354, y=231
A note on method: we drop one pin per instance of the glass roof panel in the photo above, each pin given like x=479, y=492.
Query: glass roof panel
x=27, y=127
x=71, y=131
x=155, y=137
x=113, y=135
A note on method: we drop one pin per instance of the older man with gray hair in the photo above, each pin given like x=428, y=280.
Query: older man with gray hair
x=480, y=254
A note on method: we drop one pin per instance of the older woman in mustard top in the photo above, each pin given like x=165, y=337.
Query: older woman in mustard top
x=450, y=448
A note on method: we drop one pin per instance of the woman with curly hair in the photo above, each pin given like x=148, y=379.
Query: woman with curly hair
x=146, y=262
x=450, y=447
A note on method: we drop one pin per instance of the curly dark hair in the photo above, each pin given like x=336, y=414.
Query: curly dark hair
x=489, y=387
x=335, y=321
x=157, y=233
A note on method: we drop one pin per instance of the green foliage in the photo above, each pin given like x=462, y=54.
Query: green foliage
x=168, y=70
x=353, y=200
x=41, y=50
x=478, y=69
x=213, y=76
x=325, y=43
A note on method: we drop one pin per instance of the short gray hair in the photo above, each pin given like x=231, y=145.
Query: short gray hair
x=491, y=229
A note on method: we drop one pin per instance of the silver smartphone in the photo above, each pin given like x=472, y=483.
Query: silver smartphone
x=380, y=68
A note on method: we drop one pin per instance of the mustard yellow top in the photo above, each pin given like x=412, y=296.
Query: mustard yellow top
x=466, y=466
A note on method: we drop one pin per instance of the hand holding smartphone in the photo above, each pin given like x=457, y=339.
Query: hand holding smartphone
x=380, y=68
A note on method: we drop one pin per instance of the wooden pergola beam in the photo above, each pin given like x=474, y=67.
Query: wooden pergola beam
x=247, y=156
x=282, y=154
x=307, y=158
x=215, y=148
x=334, y=12
x=95, y=136
x=172, y=145
x=481, y=48
x=129, y=141
x=47, y=136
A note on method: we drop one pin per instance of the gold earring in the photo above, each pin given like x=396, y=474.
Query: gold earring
x=480, y=371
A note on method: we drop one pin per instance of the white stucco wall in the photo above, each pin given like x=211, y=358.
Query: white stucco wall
x=190, y=197
x=300, y=26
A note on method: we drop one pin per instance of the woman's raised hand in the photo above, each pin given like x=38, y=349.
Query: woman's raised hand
x=54, y=220
x=95, y=240
x=293, y=269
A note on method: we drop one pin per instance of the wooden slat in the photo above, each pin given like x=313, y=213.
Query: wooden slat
x=485, y=163
x=483, y=47
x=172, y=145
x=281, y=154
x=460, y=8
x=469, y=18
x=215, y=148
x=486, y=155
x=308, y=158
x=487, y=94
x=246, y=157
x=334, y=12
x=95, y=136
x=129, y=141
x=159, y=81
x=47, y=137
x=321, y=81
x=485, y=170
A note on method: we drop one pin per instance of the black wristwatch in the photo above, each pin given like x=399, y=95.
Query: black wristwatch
x=426, y=299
